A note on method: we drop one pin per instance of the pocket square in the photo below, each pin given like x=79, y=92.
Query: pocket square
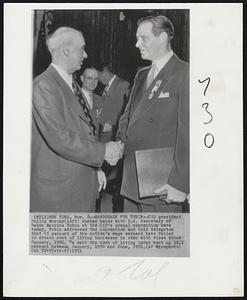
x=164, y=95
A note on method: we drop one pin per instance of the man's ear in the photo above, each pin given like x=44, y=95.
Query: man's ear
x=163, y=36
x=66, y=50
x=82, y=79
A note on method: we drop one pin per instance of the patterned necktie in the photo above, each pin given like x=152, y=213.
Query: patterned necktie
x=83, y=104
x=151, y=76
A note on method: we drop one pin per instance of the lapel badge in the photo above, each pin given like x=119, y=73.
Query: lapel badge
x=98, y=112
x=164, y=95
x=155, y=89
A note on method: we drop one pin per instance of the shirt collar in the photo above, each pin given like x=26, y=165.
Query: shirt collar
x=88, y=97
x=66, y=77
x=111, y=81
x=160, y=63
x=86, y=92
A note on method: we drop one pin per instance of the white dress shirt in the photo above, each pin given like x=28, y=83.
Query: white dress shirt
x=89, y=97
x=160, y=63
x=110, y=83
x=66, y=77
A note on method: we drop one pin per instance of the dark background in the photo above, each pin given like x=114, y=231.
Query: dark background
x=108, y=38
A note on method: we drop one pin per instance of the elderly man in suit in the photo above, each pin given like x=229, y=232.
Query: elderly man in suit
x=157, y=116
x=66, y=155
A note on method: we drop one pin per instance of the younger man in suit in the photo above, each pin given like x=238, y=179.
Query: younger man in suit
x=157, y=116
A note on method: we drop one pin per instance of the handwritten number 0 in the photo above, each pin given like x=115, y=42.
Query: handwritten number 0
x=208, y=143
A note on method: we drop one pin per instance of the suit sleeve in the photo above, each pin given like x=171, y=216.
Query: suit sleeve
x=123, y=97
x=123, y=123
x=179, y=176
x=48, y=115
x=124, y=119
x=127, y=89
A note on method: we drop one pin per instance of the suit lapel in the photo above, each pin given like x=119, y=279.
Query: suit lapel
x=72, y=100
x=147, y=98
x=138, y=92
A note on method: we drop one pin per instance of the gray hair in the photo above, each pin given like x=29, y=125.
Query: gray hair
x=160, y=24
x=60, y=36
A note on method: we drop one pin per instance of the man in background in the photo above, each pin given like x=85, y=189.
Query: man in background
x=157, y=116
x=114, y=99
x=89, y=79
x=66, y=155
x=113, y=102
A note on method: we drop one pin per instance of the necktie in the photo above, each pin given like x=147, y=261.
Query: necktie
x=151, y=76
x=83, y=104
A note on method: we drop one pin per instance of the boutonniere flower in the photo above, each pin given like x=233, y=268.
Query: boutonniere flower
x=155, y=89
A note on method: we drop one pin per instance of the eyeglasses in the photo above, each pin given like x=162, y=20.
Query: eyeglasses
x=92, y=78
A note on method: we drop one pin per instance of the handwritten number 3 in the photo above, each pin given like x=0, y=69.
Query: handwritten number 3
x=205, y=106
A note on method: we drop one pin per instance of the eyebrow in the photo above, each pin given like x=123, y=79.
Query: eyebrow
x=140, y=35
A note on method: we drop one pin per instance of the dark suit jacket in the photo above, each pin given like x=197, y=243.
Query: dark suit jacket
x=113, y=104
x=65, y=154
x=162, y=121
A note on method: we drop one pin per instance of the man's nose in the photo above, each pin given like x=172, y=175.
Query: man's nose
x=84, y=54
x=138, y=43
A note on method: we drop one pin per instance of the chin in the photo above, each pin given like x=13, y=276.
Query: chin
x=144, y=56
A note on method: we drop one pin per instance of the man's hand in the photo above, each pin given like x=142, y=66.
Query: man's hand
x=114, y=151
x=101, y=179
x=170, y=195
x=107, y=127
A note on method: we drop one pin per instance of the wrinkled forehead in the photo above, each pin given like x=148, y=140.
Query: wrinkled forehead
x=79, y=39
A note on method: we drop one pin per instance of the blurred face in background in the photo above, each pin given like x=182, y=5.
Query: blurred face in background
x=104, y=76
x=90, y=79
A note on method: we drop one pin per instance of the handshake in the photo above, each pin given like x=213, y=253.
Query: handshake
x=114, y=151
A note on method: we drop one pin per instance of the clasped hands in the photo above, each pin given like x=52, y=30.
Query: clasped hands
x=114, y=151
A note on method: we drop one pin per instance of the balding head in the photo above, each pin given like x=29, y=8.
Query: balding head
x=89, y=79
x=66, y=46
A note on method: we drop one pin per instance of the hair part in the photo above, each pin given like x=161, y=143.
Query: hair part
x=160, y=24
